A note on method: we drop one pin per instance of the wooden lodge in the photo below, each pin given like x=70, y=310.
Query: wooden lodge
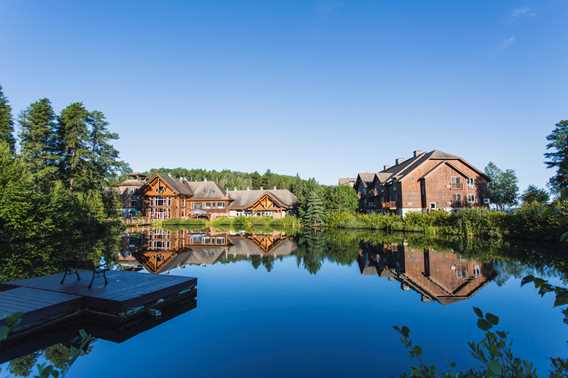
x=426, y=181
x=166, y=197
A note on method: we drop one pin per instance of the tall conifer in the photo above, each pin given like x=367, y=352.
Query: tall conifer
x=6, y=123
x=37, y=136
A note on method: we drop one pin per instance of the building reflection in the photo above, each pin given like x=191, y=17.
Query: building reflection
x=442, y=276
x=160, y=251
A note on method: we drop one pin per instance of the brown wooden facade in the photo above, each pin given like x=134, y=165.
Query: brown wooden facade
x=443, y=276
x=425, y=182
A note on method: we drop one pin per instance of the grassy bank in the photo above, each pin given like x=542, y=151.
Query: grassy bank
x=240, y=223
x=530, y=222
x=468, y=222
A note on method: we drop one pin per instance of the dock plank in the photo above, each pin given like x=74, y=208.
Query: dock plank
x=36, y=305
x=124, y=289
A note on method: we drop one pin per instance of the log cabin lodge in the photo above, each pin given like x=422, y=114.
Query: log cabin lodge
x=165, y=197
x=424, y=182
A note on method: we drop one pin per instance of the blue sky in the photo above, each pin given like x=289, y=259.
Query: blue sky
x=322, y=88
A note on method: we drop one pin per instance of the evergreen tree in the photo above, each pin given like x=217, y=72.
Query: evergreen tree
x=6, y=123
x=72, y=146
x=104, y=158
x=557, y=158
x=37, y=136
x=314, y=213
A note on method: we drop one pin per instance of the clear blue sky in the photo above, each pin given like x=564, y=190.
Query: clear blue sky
x=324, y=88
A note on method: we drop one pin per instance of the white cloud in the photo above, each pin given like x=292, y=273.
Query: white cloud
x=523, y=12
x=508, y=42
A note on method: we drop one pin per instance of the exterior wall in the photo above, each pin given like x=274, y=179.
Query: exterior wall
x=436, y=188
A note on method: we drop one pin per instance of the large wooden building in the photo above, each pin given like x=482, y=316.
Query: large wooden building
x=165, y=197
x=426, y=181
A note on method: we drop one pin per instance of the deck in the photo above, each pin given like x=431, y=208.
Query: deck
x=45, y=300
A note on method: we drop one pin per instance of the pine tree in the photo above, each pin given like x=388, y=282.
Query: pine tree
x=558, y=158
x=104, y=158
x=72, y=146
x=37, y=136
x=314, y=213
x=6, y=123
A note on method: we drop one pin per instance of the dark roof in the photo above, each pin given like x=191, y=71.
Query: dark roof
x=243, y=199
x=399, y=171
x=196, y=189
x=365, y=177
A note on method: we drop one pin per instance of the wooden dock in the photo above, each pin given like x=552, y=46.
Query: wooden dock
x=44, y=300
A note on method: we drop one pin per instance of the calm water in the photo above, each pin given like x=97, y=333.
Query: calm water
x=319, y=305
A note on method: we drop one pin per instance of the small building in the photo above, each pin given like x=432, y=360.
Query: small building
x=129, y=193
x=346, y=181
x=426, y=181
x=276, y=203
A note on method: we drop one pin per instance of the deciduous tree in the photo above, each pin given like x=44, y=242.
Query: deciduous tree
x=503, y=188
x=534, y=194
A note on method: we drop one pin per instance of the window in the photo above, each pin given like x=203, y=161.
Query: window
x=457, y=200
x=196, y=205
x=470, y=182
x=220, y=205
x=433, y=205
x=456, y=182
x=470, y=198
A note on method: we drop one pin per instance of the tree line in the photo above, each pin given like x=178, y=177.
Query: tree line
x=54, y=175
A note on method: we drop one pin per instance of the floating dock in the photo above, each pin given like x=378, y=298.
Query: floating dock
x=43, y=301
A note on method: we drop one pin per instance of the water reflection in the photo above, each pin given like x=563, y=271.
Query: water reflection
x=160, y=251
x=438, y=274
x=443, y=276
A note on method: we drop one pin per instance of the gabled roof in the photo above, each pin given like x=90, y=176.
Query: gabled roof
x=196, y=189
x=399, y=171
x=205, y=190
x=243, y=199
x=366, y=177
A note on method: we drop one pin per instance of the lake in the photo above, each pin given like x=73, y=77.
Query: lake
x=319, y=304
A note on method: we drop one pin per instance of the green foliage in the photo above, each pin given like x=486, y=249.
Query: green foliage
x=466, y=222
x=534, y=194
x=72, y=146
x=229, y=180
x=58, y=183
x=539, y=221
x=10, y=323
x=557, y=158
x=313, y=213
x=37, y=138
x=6, y=123
x=502, y=187
x=340, y=199
x=493, y=352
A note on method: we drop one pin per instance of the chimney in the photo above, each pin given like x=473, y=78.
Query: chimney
x=385, y=167
x=396, y=161
x=248, y=188
x=275, y=188
x=417, y=152
x=205, y=179
x=235, y=188
x=261, y=188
